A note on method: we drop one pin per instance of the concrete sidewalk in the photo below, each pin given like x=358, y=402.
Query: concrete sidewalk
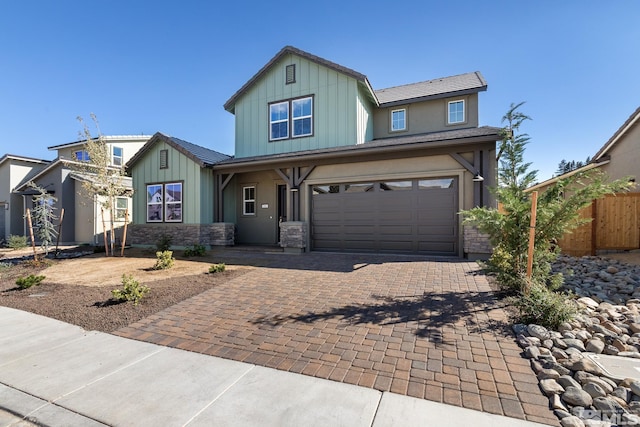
x=56, y=374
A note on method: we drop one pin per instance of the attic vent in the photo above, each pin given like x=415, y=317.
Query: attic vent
x=291, y=73
x=164, y=159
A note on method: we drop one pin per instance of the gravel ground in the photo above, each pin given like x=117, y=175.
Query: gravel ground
x=90, y=306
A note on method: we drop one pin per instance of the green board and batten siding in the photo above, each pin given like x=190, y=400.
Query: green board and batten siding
x=332, y=126
x=197, y=191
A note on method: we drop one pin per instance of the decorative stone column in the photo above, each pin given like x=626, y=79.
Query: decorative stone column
x=293, y=236
x=476, y=244
x=222, y=234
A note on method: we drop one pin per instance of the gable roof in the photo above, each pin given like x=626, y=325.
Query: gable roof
x=626, y=126
x=461, y=84
x=7, y=157
x=106, y=138
x=230, y=104
x=33, y=177
x=200, y=155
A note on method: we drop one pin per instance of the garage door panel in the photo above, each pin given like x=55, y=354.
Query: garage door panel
x=416, y=221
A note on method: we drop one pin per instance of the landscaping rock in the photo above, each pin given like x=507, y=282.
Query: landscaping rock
x=579, y=391
x=577, y=397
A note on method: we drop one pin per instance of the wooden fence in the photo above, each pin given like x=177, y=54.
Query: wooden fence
x=615, y=226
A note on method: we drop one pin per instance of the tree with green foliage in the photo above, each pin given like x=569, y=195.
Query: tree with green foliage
x=43, y=216
x=568, y=166
x=105, y=182
x=557, y=212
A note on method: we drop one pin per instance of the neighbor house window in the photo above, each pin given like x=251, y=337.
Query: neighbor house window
x=164, y=202
x=249, y=200
x=291, y=119
x=117, y=156
x=398, y=120
x=81, y=155
x=122, y=204
x=456, y=112
x=164, y=159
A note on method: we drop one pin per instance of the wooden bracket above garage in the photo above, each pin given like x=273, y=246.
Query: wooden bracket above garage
x=468, y=166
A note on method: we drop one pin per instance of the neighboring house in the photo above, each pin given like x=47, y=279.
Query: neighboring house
x=83, y=218
x=324, y=162
x=14, y=170
x=615, y=220
x=173, y=192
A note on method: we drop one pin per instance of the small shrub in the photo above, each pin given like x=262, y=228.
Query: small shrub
x=17, y=242
x=165, y=260
x=544, y=307
x=164, y=243
x=38, y=262
x=195, y=250
x=5, y=266
x=131, y=290
x=217, y=268
x=29, y=281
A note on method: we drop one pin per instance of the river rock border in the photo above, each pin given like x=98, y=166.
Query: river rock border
x=579, y=391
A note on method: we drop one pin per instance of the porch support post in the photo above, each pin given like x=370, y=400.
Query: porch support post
x=478, y=187
x=288, y=179
x=221, y=184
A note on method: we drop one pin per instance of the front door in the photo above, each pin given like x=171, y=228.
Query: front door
x=281, y=206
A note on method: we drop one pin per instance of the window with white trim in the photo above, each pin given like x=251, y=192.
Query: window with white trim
x=122, y=204
x=398, y=120
x=456, y=112
x=164, y=202
x=249, y=200
x=279, y=121
x=117, y=156
x=291, y=118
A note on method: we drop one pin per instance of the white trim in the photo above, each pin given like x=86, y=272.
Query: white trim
x=272, y=122
x=246, y=200
x=404, y=120
x=464, y=112
x=308, y=116
x=113, y=156
x=173, y=201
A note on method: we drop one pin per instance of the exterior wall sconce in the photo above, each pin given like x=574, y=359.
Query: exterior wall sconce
x=294, y=190
x=477, y=177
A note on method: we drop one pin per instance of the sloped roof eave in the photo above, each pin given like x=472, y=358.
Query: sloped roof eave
x=633, y=118
x=230, y=104
x=467, y=136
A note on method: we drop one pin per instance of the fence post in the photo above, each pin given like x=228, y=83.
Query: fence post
x=532, y=235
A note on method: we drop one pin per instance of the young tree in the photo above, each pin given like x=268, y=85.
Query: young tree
x=43, y=216
x=557, y=211
x=104, y=182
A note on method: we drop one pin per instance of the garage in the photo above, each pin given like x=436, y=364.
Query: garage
x=401, y=216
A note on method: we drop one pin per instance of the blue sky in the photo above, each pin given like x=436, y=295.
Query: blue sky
x=147, y=66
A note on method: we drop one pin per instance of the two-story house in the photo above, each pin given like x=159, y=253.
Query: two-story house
x=325, y=162
x=14, y=171
x=83, y=217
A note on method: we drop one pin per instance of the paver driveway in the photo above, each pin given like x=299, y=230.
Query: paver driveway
x=428, y=328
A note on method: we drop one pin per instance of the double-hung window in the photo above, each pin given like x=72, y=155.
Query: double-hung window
x=249, y=200
x=116, y=156
x=302, y=117
x=279, y=120
x=398, y=120
x=164, y=202
x=456, y=112
x=291, y=119
x=122, y=204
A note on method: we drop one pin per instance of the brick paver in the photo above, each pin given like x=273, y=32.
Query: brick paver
x=427, y=328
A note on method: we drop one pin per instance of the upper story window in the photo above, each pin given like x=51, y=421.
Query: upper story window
x=456, y=112
x=117, y=156
x=291, y=119
x=398, y=120
x=302, y=117
x=81, y=155
x=279, y=121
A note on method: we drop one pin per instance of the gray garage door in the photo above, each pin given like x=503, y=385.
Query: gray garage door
x=2, y=219
x=416, y=216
